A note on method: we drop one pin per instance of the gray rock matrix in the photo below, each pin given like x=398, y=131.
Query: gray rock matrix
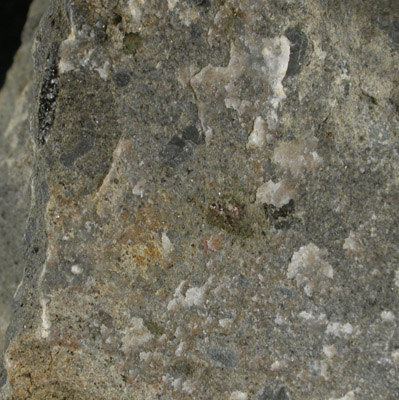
x=199, y=200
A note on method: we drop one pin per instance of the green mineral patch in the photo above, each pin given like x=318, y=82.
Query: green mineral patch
x=234, y=214
x=131, y=43
x=153, y=327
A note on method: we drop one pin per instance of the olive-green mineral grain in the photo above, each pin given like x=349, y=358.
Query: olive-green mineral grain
x=203, y=198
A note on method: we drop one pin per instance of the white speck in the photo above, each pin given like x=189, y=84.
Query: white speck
x=257, y=138
x=339, y=330
x=89, y=225
x=324, y=369
x=279, y=320
x=322, y=317
x=308, y=267
x=297, y=156
x=180, y=349
x=145, y=355
x=185, y=73
x=318, y=52
x=395, y=356
x=139, y=188
x=208, y=136
x=387, y=315
x=135, y=7
x=86, y=60
x=276, y=54
x=104, y=70
x=352, y=243
x=178, y=297
x=166, y=244
x=188, y=387
x=396, y=281
x=76, y=269
x=65, y=66
x=103, y=329
x=176, y=384
x=329, y=351
x=238, y=396
x=277, y=194
x=241, y=106
x=179, y=332
x=172, y=4
x=306, y=315
x=135, y=335
x=317, y=160
x=221, y=82
x=278, y=365
x=194, y=296
x=44, y=269
x=66, y=48
x=348, y=396
x=18, y=287
x=225, y=322
x=46, y=324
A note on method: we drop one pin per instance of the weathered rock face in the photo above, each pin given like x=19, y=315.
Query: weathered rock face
x=213, y=204
x=15, y=169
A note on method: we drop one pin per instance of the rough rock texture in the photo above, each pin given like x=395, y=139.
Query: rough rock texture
x=15, y=168
x=213, y=204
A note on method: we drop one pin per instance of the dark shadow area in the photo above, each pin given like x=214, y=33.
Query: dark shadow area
x=12, y=19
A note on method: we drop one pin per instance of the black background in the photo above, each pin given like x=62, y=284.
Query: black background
x=12, y=19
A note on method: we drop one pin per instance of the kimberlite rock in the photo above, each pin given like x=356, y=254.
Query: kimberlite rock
x=203, y=195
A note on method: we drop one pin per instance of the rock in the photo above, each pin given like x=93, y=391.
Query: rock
x=16, y=162
x=207, y=196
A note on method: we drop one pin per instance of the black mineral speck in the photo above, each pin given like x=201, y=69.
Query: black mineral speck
x=48, y=95
x=299, y=45
x=3, y=377
x=84, y=145
x=182, y=368
x=110, y=4
x=224, y=356
x=281, y=394
x=191, y=133
x=198, y=3
x=176, y=151
x=394, y=32
x=278, y=213
x=106, y=319
x=282, y=218
x=195, y=32
x=269, y=394
x=121, y=79
x=177, y=142
x=30, y=230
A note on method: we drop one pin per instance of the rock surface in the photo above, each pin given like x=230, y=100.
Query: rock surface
x=209, y=198
x=16, y=159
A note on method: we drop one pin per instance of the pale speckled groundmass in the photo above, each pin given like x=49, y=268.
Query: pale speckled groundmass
x=199, y=201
